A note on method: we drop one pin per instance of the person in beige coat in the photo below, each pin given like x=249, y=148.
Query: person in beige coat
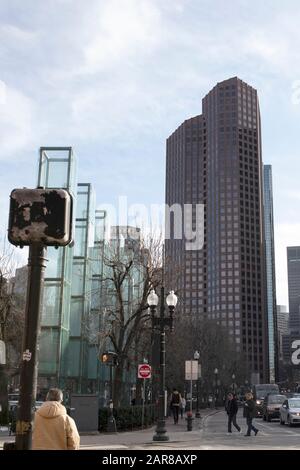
x=53, y=428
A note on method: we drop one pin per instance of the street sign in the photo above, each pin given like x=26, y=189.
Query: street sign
x=144, y=371
x=40, y=216
x=191, y=370
x=27, y=355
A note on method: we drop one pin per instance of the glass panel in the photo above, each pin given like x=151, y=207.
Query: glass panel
x=100, y=218
x=65, y=313
x=93, y=362
x=80, y=239
x=76, y=316
x=54, y=262
x=51, y=304
x=77, y=278
x=73, y=358
x=64, y=351
x=95, y=293
x=48, y=349
x=73, y=174
x=81, y=204
x=58, y=174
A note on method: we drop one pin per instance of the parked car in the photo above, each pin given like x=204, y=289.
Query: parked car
x=290, y=411
x=271, y=406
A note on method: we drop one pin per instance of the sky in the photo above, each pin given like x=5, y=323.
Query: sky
x=114, y=78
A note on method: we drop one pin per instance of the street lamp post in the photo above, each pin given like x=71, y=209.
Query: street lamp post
x=161, y=322
x=216, y=371
x=233, y=383
x=197, y=357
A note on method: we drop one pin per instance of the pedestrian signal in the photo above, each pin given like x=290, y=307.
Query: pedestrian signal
x=104, y=357
x=109, y=357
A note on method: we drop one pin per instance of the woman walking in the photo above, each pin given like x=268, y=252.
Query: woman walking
x=249, y=414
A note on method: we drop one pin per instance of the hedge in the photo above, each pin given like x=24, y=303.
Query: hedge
x=128, y=418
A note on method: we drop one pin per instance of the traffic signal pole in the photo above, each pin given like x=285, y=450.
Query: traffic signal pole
x=28, y=379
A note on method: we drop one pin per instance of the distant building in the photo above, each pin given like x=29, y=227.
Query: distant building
x=282, y=327
x=293, y=265
x=19, y=283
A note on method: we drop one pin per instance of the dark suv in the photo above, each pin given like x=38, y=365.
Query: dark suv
x=271, y=406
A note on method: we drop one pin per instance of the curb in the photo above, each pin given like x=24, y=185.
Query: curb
x=214, y=412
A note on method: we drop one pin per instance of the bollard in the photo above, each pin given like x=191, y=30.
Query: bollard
x=189, y=421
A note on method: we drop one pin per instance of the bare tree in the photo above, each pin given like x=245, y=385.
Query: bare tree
x=11, y=307
x=217, y=351
x=11, y=322
x=130, y=272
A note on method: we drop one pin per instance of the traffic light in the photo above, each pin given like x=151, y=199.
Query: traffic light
x=104, y=357
x=40, y=216
x=110, y=358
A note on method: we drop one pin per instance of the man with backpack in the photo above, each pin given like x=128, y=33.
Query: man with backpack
x=175, y=404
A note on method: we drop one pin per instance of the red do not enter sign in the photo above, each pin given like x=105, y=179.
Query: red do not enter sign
x=144, y=371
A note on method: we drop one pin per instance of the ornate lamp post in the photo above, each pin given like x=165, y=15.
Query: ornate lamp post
x=233, y=383
x=161, y=322
x=216, y=371
x=197, y=357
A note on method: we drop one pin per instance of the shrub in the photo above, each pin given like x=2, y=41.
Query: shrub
x=128, y=418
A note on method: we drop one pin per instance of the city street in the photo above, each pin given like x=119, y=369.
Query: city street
x=209, y=433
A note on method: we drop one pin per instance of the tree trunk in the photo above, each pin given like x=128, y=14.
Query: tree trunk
x=118, y=384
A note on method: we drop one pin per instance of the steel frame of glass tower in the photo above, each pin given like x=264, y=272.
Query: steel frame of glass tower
x=75, y=297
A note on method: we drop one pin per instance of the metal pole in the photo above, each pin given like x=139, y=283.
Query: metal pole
x=111, y=422
x=198, y=411
x=191, y=387
x=111, y=381
x=28, y=378
x=143, y=402
x=161, y=425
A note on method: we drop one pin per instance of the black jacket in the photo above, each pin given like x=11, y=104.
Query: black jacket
x=232, y=407
x=249, y=409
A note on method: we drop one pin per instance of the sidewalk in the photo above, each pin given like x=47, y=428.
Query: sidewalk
x=125, y=440
x=177, y=434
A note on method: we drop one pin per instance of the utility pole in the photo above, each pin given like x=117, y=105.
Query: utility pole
x=37, y=218
x=28, y=379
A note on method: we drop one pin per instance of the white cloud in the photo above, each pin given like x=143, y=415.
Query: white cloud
x=121, y=29
x=13, y=35
x=16, y=121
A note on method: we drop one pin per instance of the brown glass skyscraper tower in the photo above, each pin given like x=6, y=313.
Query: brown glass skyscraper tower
x=215, y=159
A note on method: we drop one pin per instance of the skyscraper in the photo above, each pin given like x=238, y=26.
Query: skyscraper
x=293, y=262
x=270, y=274
x=215, y=159
x=282, y=327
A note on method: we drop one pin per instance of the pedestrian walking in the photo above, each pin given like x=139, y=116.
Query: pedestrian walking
x=182, y=406
x=175, y=404
x=232, y=409
x=249, y=414
x=53, y=428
